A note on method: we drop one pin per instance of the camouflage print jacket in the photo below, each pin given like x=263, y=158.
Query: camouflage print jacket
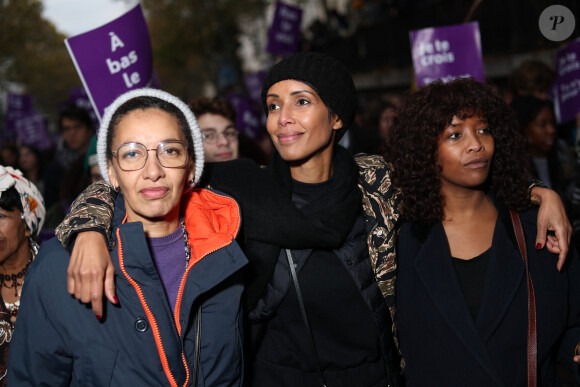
x=381, y=207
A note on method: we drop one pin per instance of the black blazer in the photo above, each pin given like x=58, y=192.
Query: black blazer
x=443, y=345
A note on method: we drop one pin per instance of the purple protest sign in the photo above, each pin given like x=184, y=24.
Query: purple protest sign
x=284, y=33
x=447, y=53
x=19, y=102
x=114, y=58
x=254, y=85
x=17, y=106
x=31, y=129
x=247, y=116
x=567, y=85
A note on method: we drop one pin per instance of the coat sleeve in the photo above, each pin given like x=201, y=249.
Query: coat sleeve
x=38, y=354
x=91, y=211
x=571, y=337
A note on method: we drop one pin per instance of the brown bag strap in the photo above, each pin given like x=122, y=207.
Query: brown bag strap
x=532, y=328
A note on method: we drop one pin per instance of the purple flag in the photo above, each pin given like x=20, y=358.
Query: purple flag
x=254, y=85
x=567, y=85
x=114, y=58
x=31, y=129
x=284, y=33
x=447, y=53
x=247, y=116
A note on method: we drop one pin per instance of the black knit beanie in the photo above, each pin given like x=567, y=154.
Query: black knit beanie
x=326, y=75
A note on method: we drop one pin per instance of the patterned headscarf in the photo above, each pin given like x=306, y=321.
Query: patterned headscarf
x=30, y=197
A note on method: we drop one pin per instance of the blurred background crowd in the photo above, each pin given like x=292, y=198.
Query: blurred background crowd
x=203, y=49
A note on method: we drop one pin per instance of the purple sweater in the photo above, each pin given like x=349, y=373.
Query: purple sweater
x=169, y=255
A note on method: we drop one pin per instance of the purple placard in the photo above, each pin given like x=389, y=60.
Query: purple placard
x=247, y=116
x=31, y=129
x=284, y=33
x=254, y=85
x=17, y=106
x=447, y=53
x=19, y=102
x=567, y=85
x=114, y=58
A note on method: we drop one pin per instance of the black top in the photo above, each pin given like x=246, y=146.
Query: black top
x=471, y=274
x=342, y=325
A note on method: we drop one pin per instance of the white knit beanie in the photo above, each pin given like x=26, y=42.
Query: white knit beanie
x=147, y=92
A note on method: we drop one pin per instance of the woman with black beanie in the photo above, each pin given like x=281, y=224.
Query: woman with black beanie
x=319, y=232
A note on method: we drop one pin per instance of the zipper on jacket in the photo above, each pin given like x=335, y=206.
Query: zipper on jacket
x=152, y=321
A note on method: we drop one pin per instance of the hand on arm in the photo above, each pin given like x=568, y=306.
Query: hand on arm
x=90, y=266
x=552, y=217
x=89, y=269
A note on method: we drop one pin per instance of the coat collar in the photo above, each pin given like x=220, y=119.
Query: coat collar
x=504, y=275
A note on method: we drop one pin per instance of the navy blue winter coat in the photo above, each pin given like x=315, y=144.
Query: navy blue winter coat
x=141, y=342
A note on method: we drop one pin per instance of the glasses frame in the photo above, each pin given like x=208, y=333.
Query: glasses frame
x=220, y=134
x=115, y=154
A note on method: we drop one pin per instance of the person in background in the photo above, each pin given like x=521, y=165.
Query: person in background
x=178, y=317
x=216, y=118
x=9, y=155
x=21, y=217
x=462, y=294
x=536, y=120
x=380, y=117
x=32, y=165
x=76, y=127
x=91, y=165
x=532, y=77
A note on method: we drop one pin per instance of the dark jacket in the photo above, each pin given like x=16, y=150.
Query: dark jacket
x=141, y=342
x=443, y=345
x=378, y=218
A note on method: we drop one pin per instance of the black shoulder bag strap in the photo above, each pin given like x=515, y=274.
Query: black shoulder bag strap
x=303, y=311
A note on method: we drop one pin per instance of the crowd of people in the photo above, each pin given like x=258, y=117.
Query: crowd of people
x=315, y=264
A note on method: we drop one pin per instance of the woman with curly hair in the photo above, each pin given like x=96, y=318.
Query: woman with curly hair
x=462, y=294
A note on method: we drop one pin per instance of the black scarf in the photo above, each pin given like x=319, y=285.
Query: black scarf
x=272, y=222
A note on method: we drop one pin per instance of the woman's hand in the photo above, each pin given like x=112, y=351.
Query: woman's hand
x=90, y=267
x=552, y=217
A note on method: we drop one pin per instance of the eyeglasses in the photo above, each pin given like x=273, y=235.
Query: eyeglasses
x=211, y=135
x=132, y=156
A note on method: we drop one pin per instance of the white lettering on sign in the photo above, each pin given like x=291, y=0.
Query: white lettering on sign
x=568, y=63
x=115, y=42
x=569, y=90
x=286, y=13
x=435, y=53
x=115, y=65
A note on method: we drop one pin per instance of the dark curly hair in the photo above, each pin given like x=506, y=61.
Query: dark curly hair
x=416, y=131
